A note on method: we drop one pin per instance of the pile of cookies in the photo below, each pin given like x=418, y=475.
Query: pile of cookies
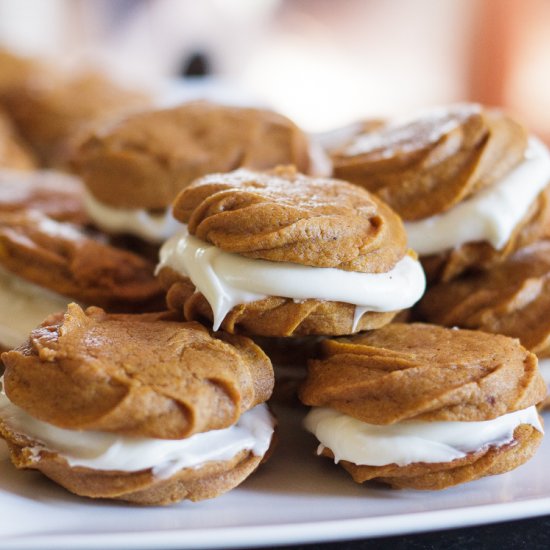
x=149, y=257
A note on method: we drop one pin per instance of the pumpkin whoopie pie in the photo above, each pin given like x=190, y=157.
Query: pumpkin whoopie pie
x=512, y=298
x=136, y=407
x=53, y=111
x=470, y=183
x=170, y=148
x=424, y=407
x=56, y=194
x=283, y=254
x=44, y=264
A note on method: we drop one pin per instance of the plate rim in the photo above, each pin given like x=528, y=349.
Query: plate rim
x=289, y=533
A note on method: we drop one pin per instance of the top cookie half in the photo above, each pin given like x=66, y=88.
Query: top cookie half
x=284, y=216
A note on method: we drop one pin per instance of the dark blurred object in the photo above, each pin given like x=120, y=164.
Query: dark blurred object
x=196, y=65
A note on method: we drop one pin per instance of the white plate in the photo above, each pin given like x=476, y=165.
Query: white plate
x=294, y=498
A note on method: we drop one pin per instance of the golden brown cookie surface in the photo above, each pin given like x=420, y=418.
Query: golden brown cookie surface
x=16, y=71
x=423, y=372
x=172, y=147
x=62, y=258
x=50, y=113
x=55, y=194
x=135, y=375
x=512, y=298
x=285, y=216
x=14, y=154
x=431, y=163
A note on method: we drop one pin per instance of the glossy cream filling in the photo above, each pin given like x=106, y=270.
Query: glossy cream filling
x=154, y=228
x=227, y=280
x=411, y=441
x=23, y=306
x=107, y=451
x=544, y=367
x=490, y=215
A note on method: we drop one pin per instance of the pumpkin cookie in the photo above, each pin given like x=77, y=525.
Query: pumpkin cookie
x=282, y=254
x=513, y=298
x=134, y=169
x=44, y=264
x=17, y=71
x=55, y=194
x=470, y=183
x=136, y=407
x=14, y=154
x=53, y=113
x=425, y=407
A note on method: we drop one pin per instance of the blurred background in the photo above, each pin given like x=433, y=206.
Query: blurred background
x=324, y=63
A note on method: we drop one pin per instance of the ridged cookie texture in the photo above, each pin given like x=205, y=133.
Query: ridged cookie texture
x=135, y=374
x=145, y=376
x=427, y=165
x=274, y=316
x=285, y=216
x=172, y=147
x=61, y=257
x=419, y=372
x=513, y=299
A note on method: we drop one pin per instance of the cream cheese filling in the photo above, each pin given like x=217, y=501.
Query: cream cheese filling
x=154, y=228
x=490, y=215
x=23, y=306
x=107, y=451
x=227, y=280
x=409, y=442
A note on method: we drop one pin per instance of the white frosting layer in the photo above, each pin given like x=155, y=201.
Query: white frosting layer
x=319, y=162
x=227, y=280
x=490, y=215
x=154, y=228
x=544, y=367
x=412, y=441
x=338, y=137
x=106, y=451
x=23, y=306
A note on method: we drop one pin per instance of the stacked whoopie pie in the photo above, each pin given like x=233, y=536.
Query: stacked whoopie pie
x=153, y=408
x=282, y=254
x=473, y=187
x=136, y=407
x=133, y=406
x=425, y=406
